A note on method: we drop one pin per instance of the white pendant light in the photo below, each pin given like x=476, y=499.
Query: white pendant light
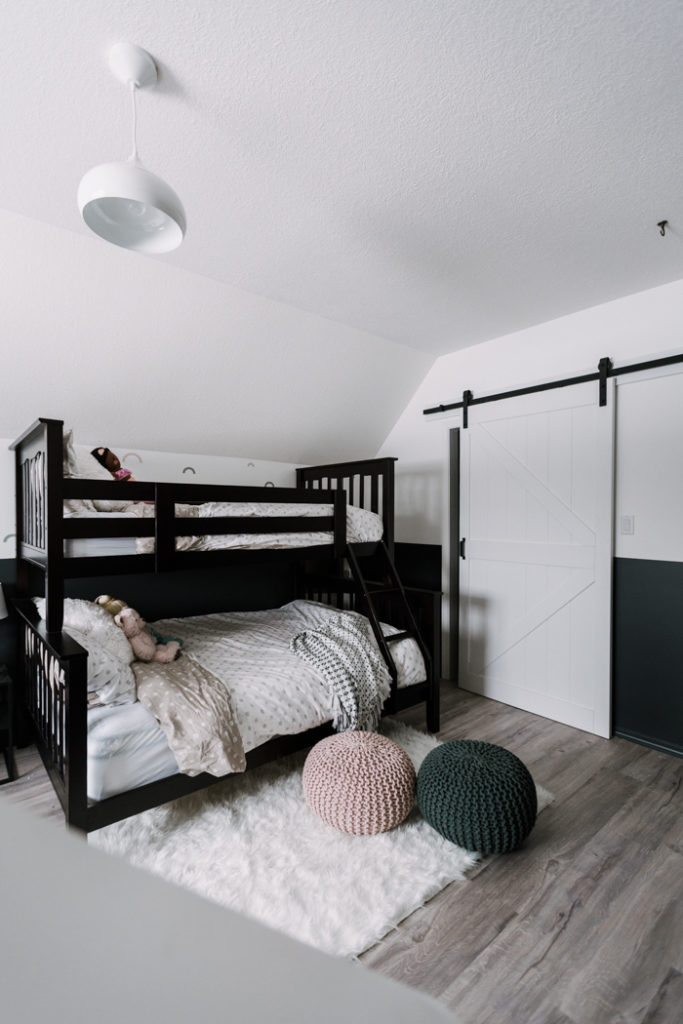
x=123, y=202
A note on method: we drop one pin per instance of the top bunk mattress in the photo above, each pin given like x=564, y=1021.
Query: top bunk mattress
x=361, y=526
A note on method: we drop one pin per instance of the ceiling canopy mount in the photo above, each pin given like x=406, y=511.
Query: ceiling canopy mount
x=130, y=63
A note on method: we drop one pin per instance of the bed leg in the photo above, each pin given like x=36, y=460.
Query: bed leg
x=76, y=822
x=433, y=710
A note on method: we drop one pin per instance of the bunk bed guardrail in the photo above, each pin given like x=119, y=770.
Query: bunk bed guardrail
x=369, y=484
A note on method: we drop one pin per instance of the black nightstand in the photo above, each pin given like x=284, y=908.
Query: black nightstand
x=6, y=714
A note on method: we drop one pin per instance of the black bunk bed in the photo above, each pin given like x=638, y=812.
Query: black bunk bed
x=53, y=667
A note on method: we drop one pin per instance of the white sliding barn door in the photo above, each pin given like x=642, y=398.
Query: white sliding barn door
x=535, y=582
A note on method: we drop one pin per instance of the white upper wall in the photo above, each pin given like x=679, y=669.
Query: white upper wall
x=649, y=482
x=154, y=357
x=645, y=325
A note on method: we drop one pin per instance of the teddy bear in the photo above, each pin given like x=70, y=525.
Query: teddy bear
x=145, y=647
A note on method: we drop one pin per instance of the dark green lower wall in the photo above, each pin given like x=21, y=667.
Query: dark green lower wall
x=419, y=565
x=7, y=631
x=648, y=652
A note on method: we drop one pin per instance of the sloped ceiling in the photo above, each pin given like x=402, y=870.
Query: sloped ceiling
x=159, y=358
x=425, y=173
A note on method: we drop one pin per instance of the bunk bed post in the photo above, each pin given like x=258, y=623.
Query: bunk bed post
x=164, y=529
x=39, y=509
x=76, y=727
x=339, y=523
x=388, y=496
x=53, y=513
x=20, y=521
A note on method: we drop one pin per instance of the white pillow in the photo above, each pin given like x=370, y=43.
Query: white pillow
x=79, y=463
x=93, y=620
x=109, y=652
x=109, y=677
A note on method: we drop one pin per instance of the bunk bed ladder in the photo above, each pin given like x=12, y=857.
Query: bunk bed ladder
x=390, y=586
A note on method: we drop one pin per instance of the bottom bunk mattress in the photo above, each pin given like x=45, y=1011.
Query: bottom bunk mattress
x=272, y=690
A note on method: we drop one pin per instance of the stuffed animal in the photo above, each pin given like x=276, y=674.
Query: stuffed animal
x=110, y=461
x=145, y=647
x=113, y=605
x=161, y=639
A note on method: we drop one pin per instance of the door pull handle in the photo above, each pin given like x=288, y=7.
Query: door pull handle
x=462, y=547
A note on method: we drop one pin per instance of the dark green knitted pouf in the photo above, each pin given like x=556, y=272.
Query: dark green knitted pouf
x=478, y=795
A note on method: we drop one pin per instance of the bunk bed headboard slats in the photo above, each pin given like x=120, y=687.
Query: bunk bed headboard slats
x=352, y=477
x=39, y=519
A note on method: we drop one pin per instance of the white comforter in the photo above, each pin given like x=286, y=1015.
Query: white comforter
x=361, y=525
x=272, y=691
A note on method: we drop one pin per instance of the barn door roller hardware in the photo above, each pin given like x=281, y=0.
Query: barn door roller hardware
x=605, y=370
x=466, y=402
x=604, y=367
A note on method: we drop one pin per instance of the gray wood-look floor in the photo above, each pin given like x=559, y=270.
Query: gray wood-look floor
x=583, y=925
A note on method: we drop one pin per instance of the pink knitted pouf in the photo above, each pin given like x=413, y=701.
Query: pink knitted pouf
x=359, y=782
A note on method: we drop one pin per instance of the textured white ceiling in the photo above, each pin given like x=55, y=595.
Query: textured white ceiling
x=435, y=172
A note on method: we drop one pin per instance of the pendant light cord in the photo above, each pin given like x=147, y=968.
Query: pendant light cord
x=134, y=155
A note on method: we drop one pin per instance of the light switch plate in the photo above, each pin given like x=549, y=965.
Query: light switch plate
x=627, y=525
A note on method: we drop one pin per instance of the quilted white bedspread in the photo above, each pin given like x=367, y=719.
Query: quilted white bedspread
x=271, y=689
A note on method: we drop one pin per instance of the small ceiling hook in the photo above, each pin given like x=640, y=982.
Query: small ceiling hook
x=662, y=225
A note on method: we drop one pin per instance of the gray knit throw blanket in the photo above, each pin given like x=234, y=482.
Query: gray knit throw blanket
x=345, y=654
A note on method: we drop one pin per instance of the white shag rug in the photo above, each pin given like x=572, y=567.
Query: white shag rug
x=252, y=844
